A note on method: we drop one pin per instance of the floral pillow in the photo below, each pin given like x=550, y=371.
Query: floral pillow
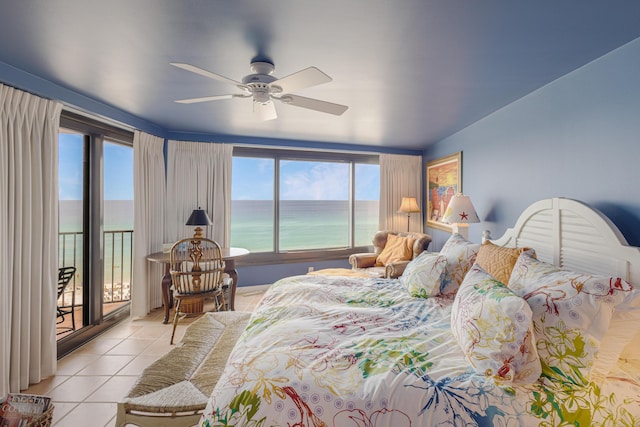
x=571, y=315
x=494, y=328
x=423, y=275
x=460, y=254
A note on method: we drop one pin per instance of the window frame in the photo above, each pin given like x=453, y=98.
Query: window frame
x=299, y=256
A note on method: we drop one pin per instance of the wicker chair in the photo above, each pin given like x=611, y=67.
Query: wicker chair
x=197, y=272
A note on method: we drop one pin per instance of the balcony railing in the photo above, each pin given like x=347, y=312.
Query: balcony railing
x=118, y=259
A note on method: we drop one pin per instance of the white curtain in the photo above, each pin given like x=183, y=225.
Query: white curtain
x=400, y=176
x=198, y=175
x=149, y=201
x=28, y=238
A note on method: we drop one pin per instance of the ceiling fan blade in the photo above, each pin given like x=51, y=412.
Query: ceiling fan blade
x=314, y=104
x=305, y=78
x=206, y=73
x=265, y=111
x=204, y=99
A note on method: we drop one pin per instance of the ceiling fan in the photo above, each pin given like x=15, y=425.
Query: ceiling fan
x=264, y=88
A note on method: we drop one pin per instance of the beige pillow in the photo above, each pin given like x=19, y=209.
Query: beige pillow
x=498, y=261
x=396, y=249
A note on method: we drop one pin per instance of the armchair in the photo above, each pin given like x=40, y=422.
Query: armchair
x=390, y=264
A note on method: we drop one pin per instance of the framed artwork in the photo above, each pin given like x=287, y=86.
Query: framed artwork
x=444, y=180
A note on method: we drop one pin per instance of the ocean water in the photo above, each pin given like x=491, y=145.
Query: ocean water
x=118, y=215
x=304, y=224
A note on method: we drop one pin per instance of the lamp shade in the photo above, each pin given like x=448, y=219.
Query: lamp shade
x=409, y=205
x=199, y=217
x=460, y=211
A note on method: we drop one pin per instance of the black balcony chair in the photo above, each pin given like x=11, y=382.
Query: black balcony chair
x=65, y=274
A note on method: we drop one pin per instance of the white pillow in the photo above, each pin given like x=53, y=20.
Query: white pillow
x=460, y=254
x=572, y=314
x=494, y=328
x=422, y=276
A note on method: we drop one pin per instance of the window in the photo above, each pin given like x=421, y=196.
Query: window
x=253, y=203
x=290, y=201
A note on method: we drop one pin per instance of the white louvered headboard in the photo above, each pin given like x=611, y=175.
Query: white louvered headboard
x=572, y=235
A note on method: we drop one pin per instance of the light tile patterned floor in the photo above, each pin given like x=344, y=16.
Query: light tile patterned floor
x=91, y=380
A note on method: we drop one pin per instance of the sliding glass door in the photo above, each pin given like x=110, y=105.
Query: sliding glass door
x=95, y=181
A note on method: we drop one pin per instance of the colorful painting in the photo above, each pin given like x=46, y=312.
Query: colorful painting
x=444, y=180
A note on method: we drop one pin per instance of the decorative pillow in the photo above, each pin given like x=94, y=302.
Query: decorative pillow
x=494, y=328
x=460, y=254
x=571, y=315
x=422, y=276
x=498, y=261
x=396, y=249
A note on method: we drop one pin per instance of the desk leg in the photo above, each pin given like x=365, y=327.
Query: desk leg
x=230, y=269
x=167, y=297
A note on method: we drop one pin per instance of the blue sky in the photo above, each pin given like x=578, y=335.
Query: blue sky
x=118, y=169
x=252, y=178
x=302, y=180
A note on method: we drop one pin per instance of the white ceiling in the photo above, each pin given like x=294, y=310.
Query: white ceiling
x=411, y=72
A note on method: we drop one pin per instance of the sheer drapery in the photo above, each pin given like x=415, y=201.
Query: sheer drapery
x=149, y=201
x=28, y=237
x=400, y=176
x=198, y=175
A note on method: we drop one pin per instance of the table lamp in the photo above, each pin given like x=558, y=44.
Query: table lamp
x=409, y=205
x=460, y=213
x=199, y=218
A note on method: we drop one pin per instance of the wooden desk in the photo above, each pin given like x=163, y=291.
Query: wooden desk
x=228, y=255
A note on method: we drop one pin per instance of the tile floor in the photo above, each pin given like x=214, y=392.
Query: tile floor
x=91, y=380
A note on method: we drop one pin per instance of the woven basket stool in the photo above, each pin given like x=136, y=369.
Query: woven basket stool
x=174, y=390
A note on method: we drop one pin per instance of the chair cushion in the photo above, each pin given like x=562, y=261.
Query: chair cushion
x=204, y=265
x=396, y=249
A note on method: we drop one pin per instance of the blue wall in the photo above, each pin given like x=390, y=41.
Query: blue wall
x=578, y=137
x=266, y=274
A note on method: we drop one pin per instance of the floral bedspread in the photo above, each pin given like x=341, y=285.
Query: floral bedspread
x=342, y=352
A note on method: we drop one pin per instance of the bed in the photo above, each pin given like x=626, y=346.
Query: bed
x=554, y=347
